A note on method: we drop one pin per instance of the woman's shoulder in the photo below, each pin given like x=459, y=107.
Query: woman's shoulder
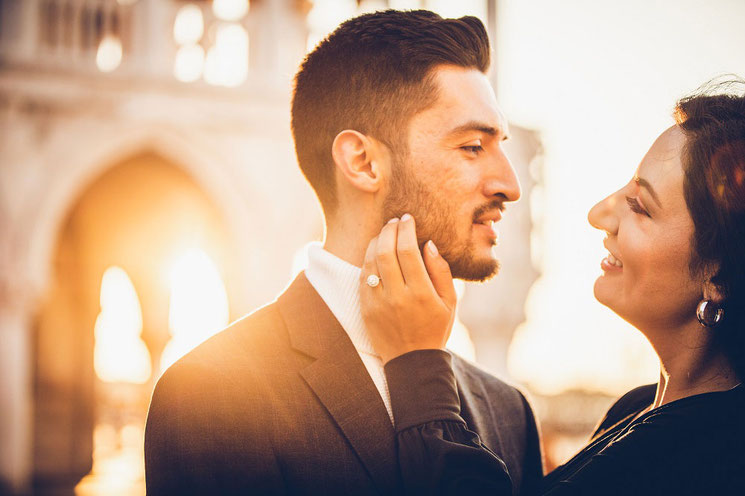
x=718, y=409
x=714, y=408
x=629, y=404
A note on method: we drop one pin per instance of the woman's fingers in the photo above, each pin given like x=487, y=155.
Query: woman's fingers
x=420, y=276
x=439, y=272
x=409, y=256
x=369, y=265
x=386, y=258
x=399, y=320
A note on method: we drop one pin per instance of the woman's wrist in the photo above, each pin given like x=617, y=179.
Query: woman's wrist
x=422, y=387
x=395, y=350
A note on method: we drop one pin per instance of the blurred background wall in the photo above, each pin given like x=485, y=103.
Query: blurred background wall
x=149, y=195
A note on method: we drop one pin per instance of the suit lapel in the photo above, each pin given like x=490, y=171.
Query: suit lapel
x=340, y=381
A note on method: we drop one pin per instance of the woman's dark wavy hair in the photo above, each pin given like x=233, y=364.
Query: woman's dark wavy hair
x=713, y=121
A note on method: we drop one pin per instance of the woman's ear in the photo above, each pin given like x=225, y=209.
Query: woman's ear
x=712, y=293
x=356, y=158
x=710, y=290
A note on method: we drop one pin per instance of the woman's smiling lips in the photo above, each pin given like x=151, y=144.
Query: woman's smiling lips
x=611, y=263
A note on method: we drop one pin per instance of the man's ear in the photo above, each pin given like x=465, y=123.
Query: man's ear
x=357, y=158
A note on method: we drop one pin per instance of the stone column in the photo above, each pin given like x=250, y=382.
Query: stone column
x=16, y=393
x=152, y=26
x=283, y=37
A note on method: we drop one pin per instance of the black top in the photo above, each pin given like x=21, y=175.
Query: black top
x=692, y=446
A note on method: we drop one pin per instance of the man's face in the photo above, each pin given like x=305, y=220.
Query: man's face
x=455, y=177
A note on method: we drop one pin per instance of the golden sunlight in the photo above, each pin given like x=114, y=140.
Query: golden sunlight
x=405, y=4
x=230, y=10
x=109, y=54
x=448, y=8
x=198, y=304
x=189, y=63
x=227, y=59
x=460, y=337
x=594, y=130
x=118, y=465
x=189, y=25
x=365, y=6
x=119, y=354
x=325, y=16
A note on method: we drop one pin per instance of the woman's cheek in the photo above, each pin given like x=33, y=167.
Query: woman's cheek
x=638, y=256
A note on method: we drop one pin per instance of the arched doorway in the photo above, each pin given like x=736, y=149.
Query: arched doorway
x=135, y=221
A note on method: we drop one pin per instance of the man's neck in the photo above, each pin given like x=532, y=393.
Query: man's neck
x=349, y=241
x=347, y=252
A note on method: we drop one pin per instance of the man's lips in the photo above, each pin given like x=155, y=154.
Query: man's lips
x=488, y=226
x=485, y=219
x=489, y=218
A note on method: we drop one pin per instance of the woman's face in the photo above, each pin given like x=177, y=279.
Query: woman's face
x=646, y=279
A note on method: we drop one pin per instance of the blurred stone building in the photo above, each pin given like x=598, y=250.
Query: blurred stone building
x=136, y=135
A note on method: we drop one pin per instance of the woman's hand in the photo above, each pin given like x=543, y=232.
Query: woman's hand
x=413, y=307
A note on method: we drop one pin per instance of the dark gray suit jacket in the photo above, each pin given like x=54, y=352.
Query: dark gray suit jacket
x=281, y=403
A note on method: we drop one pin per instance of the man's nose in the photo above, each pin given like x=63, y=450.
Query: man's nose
x=501, y=179
x=603, y=215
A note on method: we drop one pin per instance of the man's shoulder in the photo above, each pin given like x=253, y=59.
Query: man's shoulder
x=243, y=349
x=217, y=375
x=254, y=349
x=494, y=387
x=250, y=334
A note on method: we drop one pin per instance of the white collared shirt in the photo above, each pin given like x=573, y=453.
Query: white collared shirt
x=337, y=282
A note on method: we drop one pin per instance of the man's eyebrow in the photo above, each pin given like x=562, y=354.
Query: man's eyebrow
x=481, y=127
x=643, y=183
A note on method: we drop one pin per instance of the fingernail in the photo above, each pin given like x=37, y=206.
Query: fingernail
x=432, y=248
x=393, y=220
x=405, y=217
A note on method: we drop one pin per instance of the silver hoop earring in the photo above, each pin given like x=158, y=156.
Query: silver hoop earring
x=708, y=313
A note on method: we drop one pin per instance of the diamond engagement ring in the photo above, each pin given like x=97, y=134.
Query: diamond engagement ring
x=372, y=280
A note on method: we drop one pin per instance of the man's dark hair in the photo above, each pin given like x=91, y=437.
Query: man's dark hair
x=713, y=121
x=373, y=74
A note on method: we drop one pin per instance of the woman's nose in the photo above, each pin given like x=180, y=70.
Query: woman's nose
x=603, y=215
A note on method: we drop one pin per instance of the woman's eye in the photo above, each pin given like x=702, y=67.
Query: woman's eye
x=635, y=207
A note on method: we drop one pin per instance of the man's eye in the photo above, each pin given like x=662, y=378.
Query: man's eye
x=472, y=149
x=635, y=207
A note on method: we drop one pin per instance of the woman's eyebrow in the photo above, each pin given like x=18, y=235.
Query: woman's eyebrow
x=643, y=183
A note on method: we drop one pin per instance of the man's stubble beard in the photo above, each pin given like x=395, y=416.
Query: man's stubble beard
x=435, y=220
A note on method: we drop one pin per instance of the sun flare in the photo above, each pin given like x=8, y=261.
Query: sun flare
x=120, y=355
x=198, y=304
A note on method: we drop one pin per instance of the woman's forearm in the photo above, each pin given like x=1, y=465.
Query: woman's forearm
x=437, y=452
